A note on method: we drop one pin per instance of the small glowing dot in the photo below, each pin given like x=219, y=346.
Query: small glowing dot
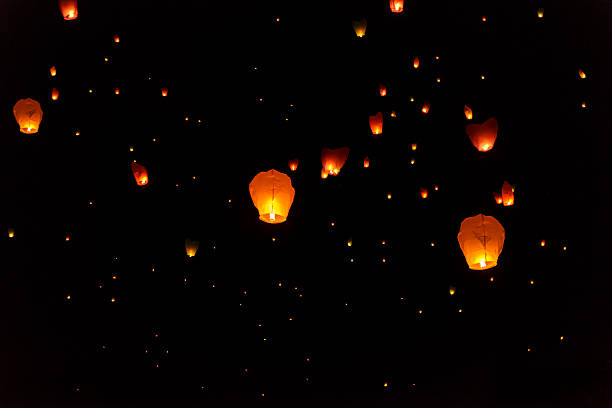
x=437, y=57
x=482, y=77
x=114, y=277
x=91, y=91
x=492, y=279
x=77, y=133
x=565, y=248
x=460, y=310
x=561, y=338
x=543, y=243
x=277, y=19
x=420, y=311
x=433, y=244
x=389, y=196
x=531, y=282
x=105, y=59
x=352, y=260
x=68, y=297
x=438, y=80
x=528, y=349
x=384, y=260
x=385, y=385
x=583, y=105
x=273, y=239
x=113, y=300
x=484, y=19
x=186, y=118
x=333, y=224
x=411, y=99
x=131, y=149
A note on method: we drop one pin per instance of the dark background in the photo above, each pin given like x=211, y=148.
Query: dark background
x=185, y=332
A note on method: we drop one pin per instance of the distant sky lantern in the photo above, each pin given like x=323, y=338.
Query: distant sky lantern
x=117, y=91
x=164, y=91
x=272, y=194
x=28, y=115
x=413, y=146
x=324, y=174
x=140, y=174
x=116, y=38
x=498, y=198
x=436, y=188
x=393, y=114
x=424, y=192
x=416, y=63
x=376, y=123
x=366, y=162
x=481, y=239
x=397, y=6
x=468, y=112
x=191, y=247
x=293, y=164
x=11, y=232
x=54, y=94
x=581, y=74
x=425, y=108
x=382, y=90
x=69, y=9
x=483, y=136
x=360, y=27
x=451, y=290
x=53, y=71
x=507, y=194
x=540, y=13
x=333, y=159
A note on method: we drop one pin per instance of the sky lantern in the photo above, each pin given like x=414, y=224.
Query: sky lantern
x=415, y=64
x=164, y=92
x=360, y=27
x=498, y=198
x=54, y=94
x=69, y=9
x=324, y=174
x=413, y=146
x=53, y=71
x=424, y=193
x=366, y=162
x=397, y=6
x=117, y=91
x=425, y=108
x=11, y=232
x=581, y=74
x=507, y=194
x=191, y=247
x=540, y=13
x=481, y=239
x=334, y=159
x=483, y=136
x=376, y=123
x=272, y=194
x=28, y=114
x=293, y=164
x=468, y=112
x=382, y=90
x=140, y=174
x=116, y=38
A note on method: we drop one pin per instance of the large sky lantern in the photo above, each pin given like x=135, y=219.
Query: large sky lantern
x=397, y=6
x=28, y=114
x=507, y=194
x=272, y=195
x=376, y=123
x=360, y=27
x=293, y=164
x=191, y=247
x=69, y=9
x=140, y=174
x=481, y=239
x=333, y=160
x=483, y=136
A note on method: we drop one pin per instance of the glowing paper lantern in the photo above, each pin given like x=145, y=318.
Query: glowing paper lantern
x=415, y=64
x=69, y=9
x=272, y=195
x=54, y=94
x=376, y=123
x=541, y=13
x=28, y=114
x=507, y=194
x=498, y=198
x=397, y=6
x=117, y=91
x=334, y=159
x=483, y=136
x=481, y=239
x=366, y=162
x=581, y=74
x=140, y=174
x=53, y=71
x=424, y=192
x=425, y=108
x=164, y=91
x=116, y=38
x=191, y=247
x=11, y=232
x=468, y=112
x=293, y=164
x=413, y=146
x=360, y=27
x=451, y=290
x=382, y=90
x=324, y=174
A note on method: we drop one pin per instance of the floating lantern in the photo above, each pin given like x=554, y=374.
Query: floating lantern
x=540, y=13
x=498, y=198
x=376, y=123
x=483, y=136
x=397, y=6
x=117, y=91
x=382, y=90
x=324, y=174
x=140, y=174
x=164, y=92
x=436, y=188
x=293, y=164
x=451, y=290
x=413, y=146
x=69, y=9
x=468, y=112
x=415, y=64
x=272, y=195
x=366, y=162
x=507, y=194
x=11, y=232
x=53, y=71
x=424, y=193
x=334, y=159
x=543, y=243
x=360, y=27
x=425, y=108
x=116, y=38
x=54, y=94
x=393, y=114
x=581, y=74
x=481, y=239
x=28, y=114
x=191, y=247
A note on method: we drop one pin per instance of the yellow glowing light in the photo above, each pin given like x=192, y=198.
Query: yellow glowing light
x=451, y=291
x=483, y=263
x=541, y=13
x=581, y=74
x=11, y=233
x=389, y=196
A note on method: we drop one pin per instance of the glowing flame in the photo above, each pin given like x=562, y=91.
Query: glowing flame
x=272, y=214
x=483, y=263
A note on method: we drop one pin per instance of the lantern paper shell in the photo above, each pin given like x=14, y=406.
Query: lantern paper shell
x=360, y=27
x=54, y=94
x=376, y=123
x=164, y=91
x=140, y=174
x=69, y=9
x=483, y=136
x=424, y=192
x=191, y=247
x=116, y=38
x=366, y=162
x=333, y=160
x=507, y=194
x=397, y=6
x=272, y=194
x=382, y=90
x=425, y=108
x=498, y=198
x=468, y=112
x=53, y=71
x=28, y=114
x=416, y=63
x=293, y=164
x=481, y=238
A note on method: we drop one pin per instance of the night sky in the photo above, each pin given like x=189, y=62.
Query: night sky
x=101, y=306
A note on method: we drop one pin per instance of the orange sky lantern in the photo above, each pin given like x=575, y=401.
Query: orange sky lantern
x=54, y=94
x=581, y=74
x=498, y=198
x=397, y=6
x=191, y=247
x=424, y=192
x=164, y=92
x=53, y=71
x=116, y=38
x=468, y=112
x=333, y=160
x=382, y=90
x=69, y=9
x=366, y=162
x=483, y=136
x=28, y=114
x=293, y=164
x=360, y=27
x=481, y=239
x=425, y=108
x=376, y=123
x=117, y=91
x=416, y=63
x=507, y=194
x=272, y=195
x=140, y=174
